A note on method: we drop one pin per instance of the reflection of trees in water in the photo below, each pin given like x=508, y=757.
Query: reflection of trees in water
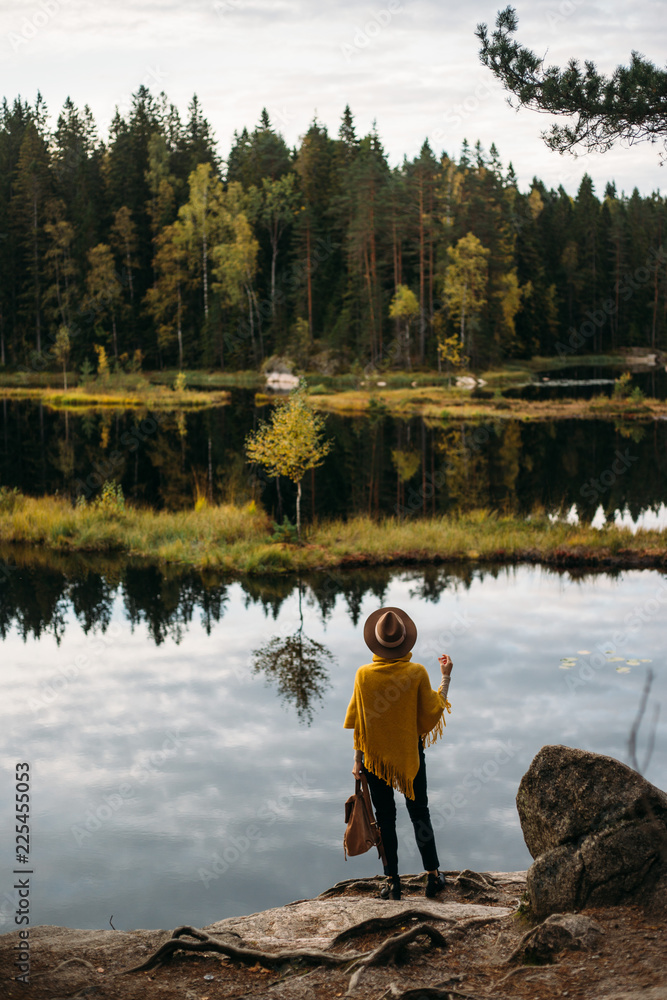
x=297, y=666
x=467, y=464
x=41, y=590
x=430, y=584
x=33, y=603
x=352, y=585
x=430, y=466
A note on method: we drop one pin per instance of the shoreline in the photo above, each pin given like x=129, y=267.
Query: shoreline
x=468, y=942
x=429, y=393
x=237, y=541
x=80, y=399
x=444, y=404
x=430, y=402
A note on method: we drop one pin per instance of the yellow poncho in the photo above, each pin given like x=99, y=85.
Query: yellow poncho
x=393, y=704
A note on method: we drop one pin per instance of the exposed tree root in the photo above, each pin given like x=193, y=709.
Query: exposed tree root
x=540, y=944
x=238, y=953
x=270, y=959
x=438, y=992
x=384, y=923
x=475, y=880
x=470, y=882
x=464, y=926
x=362, y=884
x=358, y=962
x=68, y=961
x=388, y=948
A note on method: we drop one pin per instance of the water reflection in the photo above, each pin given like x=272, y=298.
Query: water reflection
x=297, y=667
x=380, y=464
x=586, y=381
x=40, y=590
x=155, y=745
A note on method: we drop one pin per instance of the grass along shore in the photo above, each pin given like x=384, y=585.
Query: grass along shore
x=237, y=540
x=434, y=402
x=456, y=404
x=402, y=394
x=151, y=398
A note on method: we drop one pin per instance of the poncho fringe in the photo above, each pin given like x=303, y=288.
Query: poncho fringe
x=438, y=730
x=391, y=774
x=386, y=728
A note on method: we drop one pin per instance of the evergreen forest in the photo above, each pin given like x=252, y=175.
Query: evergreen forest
x=148, y=249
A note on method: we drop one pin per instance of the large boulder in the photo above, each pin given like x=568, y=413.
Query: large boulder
x=596, y=828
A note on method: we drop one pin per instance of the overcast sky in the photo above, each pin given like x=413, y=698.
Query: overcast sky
x=410, y=64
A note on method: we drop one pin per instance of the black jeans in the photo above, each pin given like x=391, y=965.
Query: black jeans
x=382, y=795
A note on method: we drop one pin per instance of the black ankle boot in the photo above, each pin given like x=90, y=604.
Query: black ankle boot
x=434, y=884
x=391, y=888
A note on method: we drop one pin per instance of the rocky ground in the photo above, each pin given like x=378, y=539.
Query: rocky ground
x=468, y=944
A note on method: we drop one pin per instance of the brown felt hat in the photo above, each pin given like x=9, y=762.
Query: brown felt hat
x=390, y=633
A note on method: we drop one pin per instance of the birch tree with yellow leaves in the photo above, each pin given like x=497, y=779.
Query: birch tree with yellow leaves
x=465, y=285
x=290, y=443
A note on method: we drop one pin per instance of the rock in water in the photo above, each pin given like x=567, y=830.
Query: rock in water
x=597, y=829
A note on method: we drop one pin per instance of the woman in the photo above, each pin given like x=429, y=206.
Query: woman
x=394, y=712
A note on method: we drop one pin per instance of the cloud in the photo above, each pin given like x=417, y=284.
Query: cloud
x=408, y=65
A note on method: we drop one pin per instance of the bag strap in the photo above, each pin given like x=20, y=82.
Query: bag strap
x=363, y=782
x=361, y=785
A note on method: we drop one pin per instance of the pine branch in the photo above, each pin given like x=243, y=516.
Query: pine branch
x=630, y=105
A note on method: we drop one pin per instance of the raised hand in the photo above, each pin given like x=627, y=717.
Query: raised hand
x=446, y=664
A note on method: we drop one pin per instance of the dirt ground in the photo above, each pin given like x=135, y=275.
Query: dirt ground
x=477, y=915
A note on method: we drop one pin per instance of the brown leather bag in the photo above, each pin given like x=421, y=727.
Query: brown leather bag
x=361, y=832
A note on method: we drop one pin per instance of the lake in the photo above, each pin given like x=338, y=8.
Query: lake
x=379, y=464
x=586, y=381
x=184, y=772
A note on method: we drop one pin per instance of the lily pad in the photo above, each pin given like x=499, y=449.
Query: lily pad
x=622, y=670
x=633, y=663
x=584, y=652
x=614, y=659
x=646, y=661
